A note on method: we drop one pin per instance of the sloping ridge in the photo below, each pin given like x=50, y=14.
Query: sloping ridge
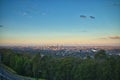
x=6, y=75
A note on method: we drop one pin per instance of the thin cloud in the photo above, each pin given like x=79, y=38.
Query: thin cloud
x=83, y=31
x=114, y=37
x=1, y=25
x=103, y=38
x=25, y=13
x=116, y=4
x=111, y=37
x=92, y=17
x=83, y=16
x=43, y=13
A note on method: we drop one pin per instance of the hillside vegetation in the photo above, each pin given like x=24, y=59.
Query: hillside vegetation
x=101, y=67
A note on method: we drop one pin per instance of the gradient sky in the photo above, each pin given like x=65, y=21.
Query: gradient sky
x=36, y=22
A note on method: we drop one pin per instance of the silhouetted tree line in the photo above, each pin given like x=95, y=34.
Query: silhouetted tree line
x=102, y=67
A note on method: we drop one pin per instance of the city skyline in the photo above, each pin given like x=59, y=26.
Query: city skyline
x=62, y=22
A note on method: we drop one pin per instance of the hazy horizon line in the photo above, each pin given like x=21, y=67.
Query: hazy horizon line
x=118, y=45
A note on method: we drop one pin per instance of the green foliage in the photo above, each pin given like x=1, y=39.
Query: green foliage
x=100, y=55
x=103, y=67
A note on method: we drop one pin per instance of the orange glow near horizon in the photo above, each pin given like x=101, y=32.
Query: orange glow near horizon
x=60, y=42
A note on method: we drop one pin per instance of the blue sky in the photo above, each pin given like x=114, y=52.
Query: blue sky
x=59, y=22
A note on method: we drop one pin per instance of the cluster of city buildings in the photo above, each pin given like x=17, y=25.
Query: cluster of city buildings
x=66, y=51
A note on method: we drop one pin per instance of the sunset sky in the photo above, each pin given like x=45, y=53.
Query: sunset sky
x=64, y=22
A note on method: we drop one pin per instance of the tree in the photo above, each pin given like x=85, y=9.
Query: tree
x=86, y=70
x=36, y=65
x=100, y=55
